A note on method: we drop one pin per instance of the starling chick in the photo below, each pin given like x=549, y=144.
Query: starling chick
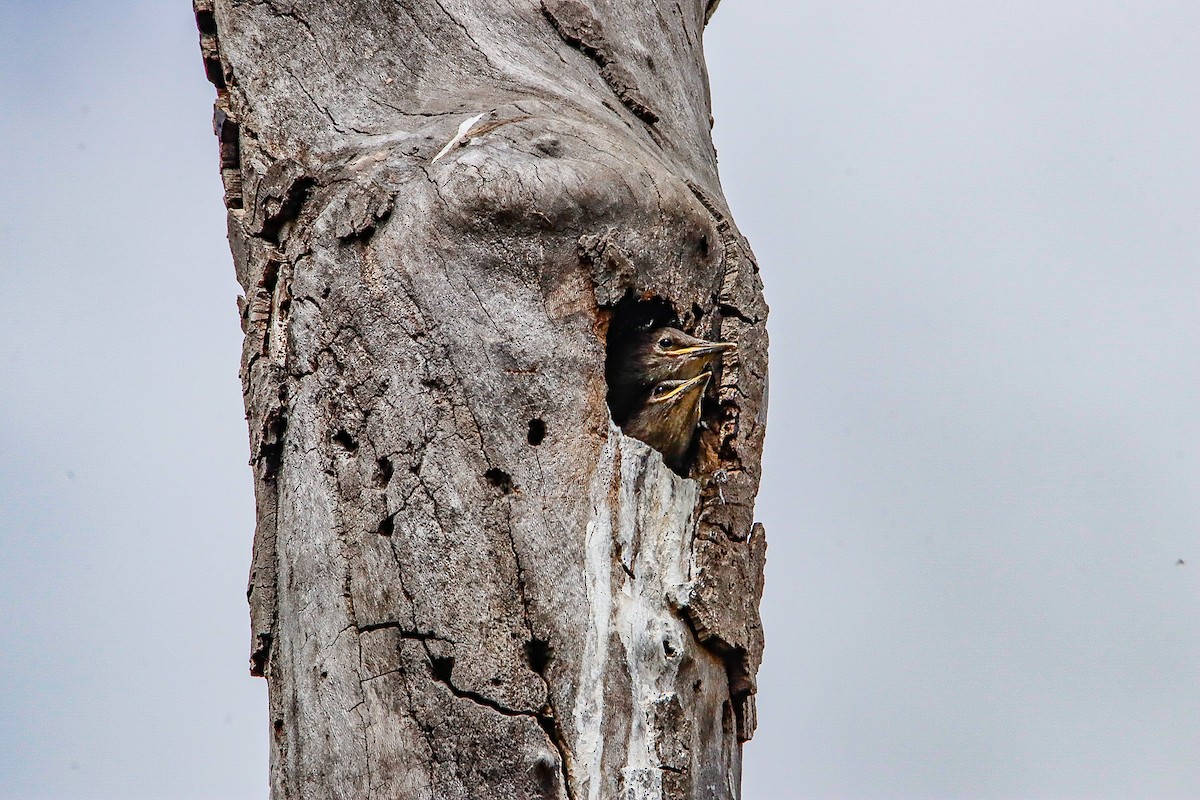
x=667, y=417
x=641, y=361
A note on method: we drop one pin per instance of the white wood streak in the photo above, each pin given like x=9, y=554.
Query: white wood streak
x=589, y=702
x=460, y=136
x=649, y=530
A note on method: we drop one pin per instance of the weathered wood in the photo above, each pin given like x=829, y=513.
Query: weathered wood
x=467, y=583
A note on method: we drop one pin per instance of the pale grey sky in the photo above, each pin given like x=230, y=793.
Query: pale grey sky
x=979, y=226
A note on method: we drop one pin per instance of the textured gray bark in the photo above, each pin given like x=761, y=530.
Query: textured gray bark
x=467, y=583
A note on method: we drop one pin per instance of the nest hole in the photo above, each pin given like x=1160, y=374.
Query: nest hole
x=499, y=479
x=537, y=653
x=537, y=432
x=383, y=471
x=631, y=318
x=652, y=351
x=442, y=668
x=345, y=440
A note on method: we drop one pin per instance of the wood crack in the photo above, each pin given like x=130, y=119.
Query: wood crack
x=578, y=27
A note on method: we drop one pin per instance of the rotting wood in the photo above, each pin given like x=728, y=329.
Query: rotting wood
x=467, y=583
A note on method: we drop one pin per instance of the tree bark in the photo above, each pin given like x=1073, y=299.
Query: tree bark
x=467, y=583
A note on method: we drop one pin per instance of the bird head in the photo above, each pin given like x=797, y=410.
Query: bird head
x=664, y=354
x=667, y=418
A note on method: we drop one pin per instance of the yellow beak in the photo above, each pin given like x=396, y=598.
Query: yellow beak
x=711, y=347
x=684, y=387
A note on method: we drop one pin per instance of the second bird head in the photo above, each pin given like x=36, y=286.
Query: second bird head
x=667, y=417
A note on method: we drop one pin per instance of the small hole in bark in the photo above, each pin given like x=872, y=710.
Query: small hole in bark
x=668, y=648
x=387, y=525
x=442, y=668
x=537, y=432
x=287, y=208
x=548, y=145
x=727, y=717
x=277, y=729
x=270, y=452
x=214, y=73
x=537, y=652
x=500, y=479
x=206, y=22
x=324, y=673
x=348, y=442
x=696, y=686
x=702, y=245
x=383, y=472
x=270, y=276
x=545, y=768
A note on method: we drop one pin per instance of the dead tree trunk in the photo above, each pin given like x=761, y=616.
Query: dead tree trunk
x=467, y=583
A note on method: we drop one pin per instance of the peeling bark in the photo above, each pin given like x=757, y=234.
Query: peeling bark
x=467, y=583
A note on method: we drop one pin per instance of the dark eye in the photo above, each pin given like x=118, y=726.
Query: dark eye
x=664, y=343
x=660, y=390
